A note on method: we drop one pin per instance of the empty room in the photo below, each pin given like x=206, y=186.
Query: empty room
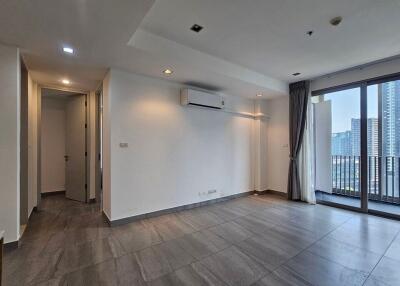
x=199, y=142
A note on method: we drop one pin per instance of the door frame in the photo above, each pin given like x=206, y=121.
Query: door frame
x=363, y=85
x=24, y=146
x=87, y=136
x=98, y=143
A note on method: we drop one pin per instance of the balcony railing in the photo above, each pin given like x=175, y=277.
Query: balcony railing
x=383, y=177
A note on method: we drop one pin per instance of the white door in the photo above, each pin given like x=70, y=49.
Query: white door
x=75, y=177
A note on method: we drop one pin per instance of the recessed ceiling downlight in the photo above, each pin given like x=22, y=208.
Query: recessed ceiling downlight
x=65, y=81
x=196, y=28
x=68, y=50
x=168, y=72
x=259, y=95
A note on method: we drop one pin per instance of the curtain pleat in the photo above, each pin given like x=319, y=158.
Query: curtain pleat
x=298, y=102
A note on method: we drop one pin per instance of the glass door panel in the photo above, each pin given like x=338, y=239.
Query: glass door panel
x=337, y=147
x=384, y=147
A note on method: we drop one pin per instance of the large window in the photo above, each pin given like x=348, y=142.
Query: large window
x=357, y=146
x=384, y=146
x=337, y=134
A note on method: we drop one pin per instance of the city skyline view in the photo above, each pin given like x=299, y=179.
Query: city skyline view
x=346, y=105
x=383, y=146
x=345, y=111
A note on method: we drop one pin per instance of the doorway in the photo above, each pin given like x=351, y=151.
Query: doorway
x=64, y=154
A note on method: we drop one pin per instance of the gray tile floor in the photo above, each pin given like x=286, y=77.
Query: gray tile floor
x=256, y=240
x=356, y=202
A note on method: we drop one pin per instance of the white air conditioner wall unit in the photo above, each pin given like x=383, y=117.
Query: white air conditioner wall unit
x=200, y=98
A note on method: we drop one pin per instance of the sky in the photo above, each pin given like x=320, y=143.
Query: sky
x=346, y=105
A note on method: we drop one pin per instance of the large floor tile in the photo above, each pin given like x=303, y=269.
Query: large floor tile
x=320, y=271
x=188, y=275
x=254, y=224
x=172, y=229
x=138, y=238
x=231, y=231
x=294, y=236
x=315, y=224
x=226, y=213
x=202, y=243
x=255, y=205
x=372, y=281
x=366, y=236
x=200, y=219
x=346, y=254
x=120, y=271
x=277, y=215
x=162, y=259
x=82, y=255
x=282, y=277
x=234, y=267
x=266, y=253
x=152, y=264
x=387, y=271
x=31, y=271
x=394, y=249
x=174, y=253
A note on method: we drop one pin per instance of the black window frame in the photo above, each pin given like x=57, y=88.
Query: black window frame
x=363, y=85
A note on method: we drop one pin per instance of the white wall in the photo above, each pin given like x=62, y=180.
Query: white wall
x=260, y=145
x=278, y=144
x=175, y=153
x=9, y=141
x=53, y=144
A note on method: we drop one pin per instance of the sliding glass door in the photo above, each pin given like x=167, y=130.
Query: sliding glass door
x=337, y=123
x=357, y=146
x=384, y=147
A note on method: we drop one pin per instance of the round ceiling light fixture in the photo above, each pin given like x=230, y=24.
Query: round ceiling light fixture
x=65, y=81
x=168, y=72
x=336, y=21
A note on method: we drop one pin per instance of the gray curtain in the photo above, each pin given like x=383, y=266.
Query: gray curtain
x=297, y=121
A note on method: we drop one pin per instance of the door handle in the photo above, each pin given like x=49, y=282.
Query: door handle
x=66, y=158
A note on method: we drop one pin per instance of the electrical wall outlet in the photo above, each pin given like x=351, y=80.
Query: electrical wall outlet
x=207, y=193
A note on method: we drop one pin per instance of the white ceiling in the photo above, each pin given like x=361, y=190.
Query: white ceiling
x=269, y=36
x=97, y=30
x=246, y=47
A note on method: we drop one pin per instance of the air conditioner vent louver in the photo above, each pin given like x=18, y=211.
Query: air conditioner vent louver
x=202, y=99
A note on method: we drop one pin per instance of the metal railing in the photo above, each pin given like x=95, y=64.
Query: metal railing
x=383, y=177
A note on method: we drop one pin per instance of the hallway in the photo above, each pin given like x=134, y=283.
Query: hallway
x=240, y=242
